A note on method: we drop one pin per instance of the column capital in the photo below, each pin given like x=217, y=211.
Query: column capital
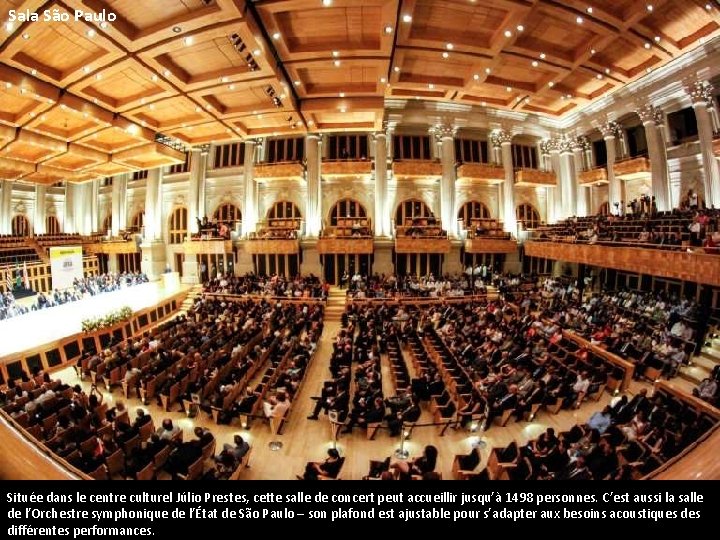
x=314, y=136
x=500, y=137
x=580, y=144
x=649, y=114
x=700, y=93
x=609, y=129
x=549, y=146
x=251, y=142
x=443, y=131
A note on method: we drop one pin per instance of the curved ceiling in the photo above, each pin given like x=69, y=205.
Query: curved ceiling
x=90, y=95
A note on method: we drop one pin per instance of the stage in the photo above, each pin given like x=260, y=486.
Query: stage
x=45, y=326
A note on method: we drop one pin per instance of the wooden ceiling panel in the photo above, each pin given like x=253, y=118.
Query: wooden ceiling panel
x=122, y=135
x=212, y=132
x=545, y=33
x=58, y=51
x=11, y=169
x=353, y=77
x=276, y=123
x=18, y=5
x=630, y=60
x=169, y=114
x=426, y=67
x=683, y=23
x=465, y=25
x=142, y=24
x=228, y=100
x=123, y=86
x=33, y=147
x=71, y=118
x=149, y=156
x=77, y=158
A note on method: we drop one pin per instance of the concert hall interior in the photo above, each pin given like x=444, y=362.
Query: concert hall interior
x=331, y=239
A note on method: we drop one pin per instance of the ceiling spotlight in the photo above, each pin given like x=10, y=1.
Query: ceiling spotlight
x=542, y=56
x=8, y=85
x=708, y=7
x=257, y=52
x=449, y=46
x=337, y=63
x=589, y=10
x=647, y=45
x=599, y=76
x=520, y=28
x=276, y=36
x=592, y=51
x=388, y=29
x=508, y=33
x=657, y=39
x=166, y=72
x=103, y=24
x=484, y=103
x=445, y=55
x=327, y=3
x=383, y=80
x=198, y=109
x=9, y=27
x=33, y=72
x=154, y=76
x=397, y=69
x=509, y=88
x=342, y=94
x=535, y=63
x=607, y=71
x=188, y=40
x=98, y=76
x=343, y=109
x=26, y=36
x=649, y=7
x=297, y=83
x=431, y=86
x=223, y=79
x=231, y=87
x=579, y=20
x=335, y=54
x=551, y=84
x=488, y=71
x=91, y=33
x=176, y=29
x=407, y=18
x=86, y=69
x=476, y=77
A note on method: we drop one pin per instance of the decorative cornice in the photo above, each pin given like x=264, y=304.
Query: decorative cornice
x=500, y=137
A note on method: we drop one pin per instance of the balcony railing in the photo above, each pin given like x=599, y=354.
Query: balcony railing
x=416, y=169
x=631, y=168
x=535, y=177
x=278, y=171
x=480, y=172
x=598, y=175
x=347, y=167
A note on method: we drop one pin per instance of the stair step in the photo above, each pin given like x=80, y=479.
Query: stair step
x=711, y=352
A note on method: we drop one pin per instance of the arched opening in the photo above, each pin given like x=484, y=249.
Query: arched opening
x=52, y=225
x=284, y=210
x=348, y=219
x=138, y=222
x=527, y=216
x=229, y=214
x=283, y=220
x=409, y=210
x=20, y=226
x=178, y=228
x=106, y=224
x=473, y=210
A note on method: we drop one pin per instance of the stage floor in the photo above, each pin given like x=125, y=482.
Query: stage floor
x=45, y=326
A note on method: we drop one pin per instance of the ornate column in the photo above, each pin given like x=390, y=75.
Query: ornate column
x=40, y=209
x=69, y=211
x=568, y=177
x=609, y=130
x=546, y=165
x=153, y=248
x=503, y=139
x=250, y=211
x=119, y=203
x=651, y=119
x=444, y=135
x=313, y=213
x=553, y=146
x=382, y=214
x=6, y=207
x=578, y=149
x=701, y=95
x=94, y=194
x=196, y=187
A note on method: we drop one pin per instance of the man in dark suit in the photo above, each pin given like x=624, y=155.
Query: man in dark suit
x=406, y=416
x=537, y=395
x=506, y=402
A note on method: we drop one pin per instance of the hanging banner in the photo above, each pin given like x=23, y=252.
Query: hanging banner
x=66, y=264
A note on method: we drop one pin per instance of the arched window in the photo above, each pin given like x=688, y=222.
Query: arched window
x=138, y=221
x=409, y=209
x=527, y=216
x=20, y=226
x=473, y=210
x=178, y=225
x=52, y=225
x=346, y=208
x=227, y=213
x=604, y=209
x=106, y=224
x=284, y=210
